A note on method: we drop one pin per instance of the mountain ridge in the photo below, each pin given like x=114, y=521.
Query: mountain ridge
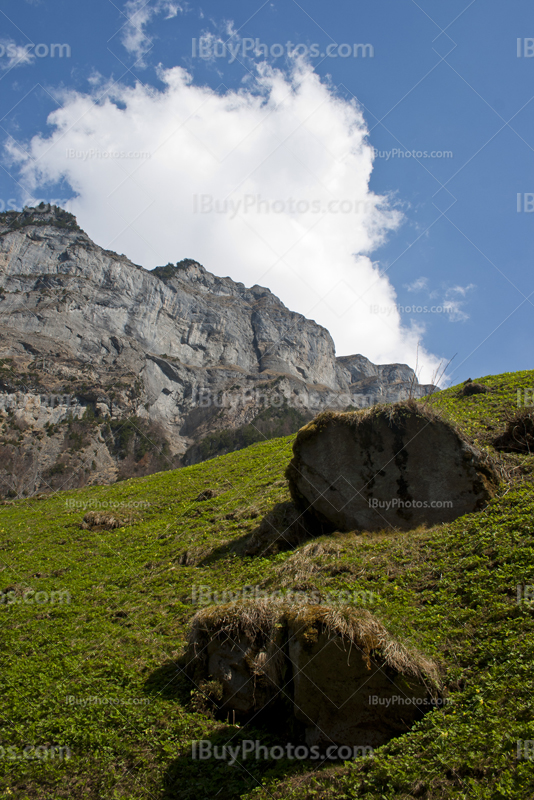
x=179, y=349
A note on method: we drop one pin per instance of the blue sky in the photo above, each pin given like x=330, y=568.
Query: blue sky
x=163, y=155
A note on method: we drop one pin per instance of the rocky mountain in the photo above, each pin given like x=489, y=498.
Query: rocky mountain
x=109, y=370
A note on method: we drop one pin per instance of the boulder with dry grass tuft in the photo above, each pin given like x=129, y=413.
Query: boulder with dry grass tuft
x=470, y=388
x=238, y=646
x=395, y=466
x=354, y=684
x=343, y=677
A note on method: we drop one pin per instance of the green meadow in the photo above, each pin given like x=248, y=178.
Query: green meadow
x=93, y=629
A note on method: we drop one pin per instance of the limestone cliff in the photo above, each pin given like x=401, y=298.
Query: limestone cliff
x=108, y=369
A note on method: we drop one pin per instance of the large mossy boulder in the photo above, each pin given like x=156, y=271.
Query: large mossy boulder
x=334, y=670
x=395, y=466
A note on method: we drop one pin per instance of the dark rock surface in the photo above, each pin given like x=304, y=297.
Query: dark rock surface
x=345, y=680
x=394, y=467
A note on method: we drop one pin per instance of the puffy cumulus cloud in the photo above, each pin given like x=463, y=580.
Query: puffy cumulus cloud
x=268, y=184
x=139, y=14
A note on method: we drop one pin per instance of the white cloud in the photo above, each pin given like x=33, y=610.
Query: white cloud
x=139, y=14
x=418, y=285
x=242, y=182
x=454, y=311
x=449, y=298
x=454, y=306
x=15, y=55
x=172, y=10
x=462, y=290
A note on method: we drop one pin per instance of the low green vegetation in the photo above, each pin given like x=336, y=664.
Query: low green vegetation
x=44, y=214
x=170, y=271
x=94, y=625
x=270, y=423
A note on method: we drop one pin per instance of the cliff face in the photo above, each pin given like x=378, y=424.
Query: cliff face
x=90, y=340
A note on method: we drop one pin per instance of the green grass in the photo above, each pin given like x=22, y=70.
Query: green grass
x=482, y=416
x=450, y=591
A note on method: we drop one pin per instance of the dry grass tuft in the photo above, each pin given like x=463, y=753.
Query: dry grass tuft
x=233, y=620
x=306, y=562
x=103, y=522
x=269, y=664
x=265, y=626
x=394, y=412
x=469, y=388
x=361, y=629
x=206, y=494
x=258, y=624
x=519, y=434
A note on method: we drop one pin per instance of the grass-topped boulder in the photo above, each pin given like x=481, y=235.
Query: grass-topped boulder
x=396, y=466
x=335, y=670
x=235, y=650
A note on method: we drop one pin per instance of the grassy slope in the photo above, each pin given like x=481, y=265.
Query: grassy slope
x=450, y=591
